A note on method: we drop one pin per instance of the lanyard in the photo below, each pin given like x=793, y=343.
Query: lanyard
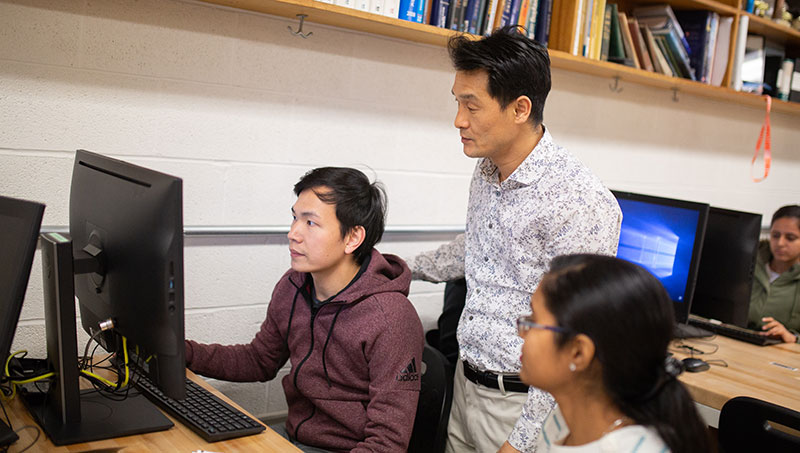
x=764, y=135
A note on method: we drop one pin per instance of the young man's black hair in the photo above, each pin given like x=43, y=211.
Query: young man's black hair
x=516, y=66
x=358, y=202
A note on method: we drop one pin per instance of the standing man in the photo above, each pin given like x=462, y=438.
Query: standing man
x=530, y=200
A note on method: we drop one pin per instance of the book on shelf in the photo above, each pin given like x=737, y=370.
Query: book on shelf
x=376, y=6
x=700, y=28
x=669, y=57
x=531, y=18
x=640, y=45
x=596, y=34
x=607, y=23
x=577, y=32
x=491, y=16
x=439, y=10
x=794, y=88
x=391, y=8
x=454, y=14
x=627, y=40
x=660, y=64
x=752, y=71
x=544, y=16
x=661, y=16
x=587, y=29
x=722, y=50
x=738, y=52
x=361, y=5
x=472, y=16
x=677, y=54
x=616, y=50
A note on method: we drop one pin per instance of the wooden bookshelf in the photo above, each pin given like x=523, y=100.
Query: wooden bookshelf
x=560, y=40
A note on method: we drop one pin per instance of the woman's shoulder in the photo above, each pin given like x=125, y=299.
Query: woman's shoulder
x=634, y=438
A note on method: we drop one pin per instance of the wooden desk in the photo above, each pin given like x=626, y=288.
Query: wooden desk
x=176, y=439
x=750, y=372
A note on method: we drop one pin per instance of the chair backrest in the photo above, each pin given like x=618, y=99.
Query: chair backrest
x=749, y=424
x=433, y=410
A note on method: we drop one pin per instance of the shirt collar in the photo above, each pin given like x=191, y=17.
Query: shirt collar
x=529, y=171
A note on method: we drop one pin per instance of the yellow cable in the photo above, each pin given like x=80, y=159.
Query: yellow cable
x=100, y=378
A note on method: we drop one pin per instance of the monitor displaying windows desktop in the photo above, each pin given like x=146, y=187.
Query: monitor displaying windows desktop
x=123, y=262
x=725, y=276
x=665, y=236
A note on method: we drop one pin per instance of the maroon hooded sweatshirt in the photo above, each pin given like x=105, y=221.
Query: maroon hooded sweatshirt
x=355, y=360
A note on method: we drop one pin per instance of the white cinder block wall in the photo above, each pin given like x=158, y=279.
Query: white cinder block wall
x=239, y=108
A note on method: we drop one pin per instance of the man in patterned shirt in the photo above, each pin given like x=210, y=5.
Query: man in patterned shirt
x=530, y=200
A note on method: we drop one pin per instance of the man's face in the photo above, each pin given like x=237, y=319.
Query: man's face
x=486, y=129
x=315, y=239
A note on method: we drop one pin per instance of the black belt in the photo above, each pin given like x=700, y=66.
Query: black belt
x=511, y=382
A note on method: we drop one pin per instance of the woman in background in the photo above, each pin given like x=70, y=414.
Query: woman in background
x=597, y=341
x=775, y=297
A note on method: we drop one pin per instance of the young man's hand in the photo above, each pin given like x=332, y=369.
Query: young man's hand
x=773, y=328
x=507, y=448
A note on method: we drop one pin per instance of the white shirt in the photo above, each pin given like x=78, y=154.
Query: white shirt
x=550, y=205
x=633, y=439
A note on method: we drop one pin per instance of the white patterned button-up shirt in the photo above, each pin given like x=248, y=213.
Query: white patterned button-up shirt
x=550, y=205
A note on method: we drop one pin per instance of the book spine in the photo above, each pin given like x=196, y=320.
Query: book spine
x=533, y=18
x=391, y=8
x=408, y=10
x=606, y=32
x=738, y=56
x=587, y=29
x=376, y=7
x=544, y=16
x=513, y=18
x=419, y=11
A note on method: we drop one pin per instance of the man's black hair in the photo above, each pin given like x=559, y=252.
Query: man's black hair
x=515, y=64
x=358, y=202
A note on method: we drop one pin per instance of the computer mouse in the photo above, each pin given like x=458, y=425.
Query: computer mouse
x=694, y=365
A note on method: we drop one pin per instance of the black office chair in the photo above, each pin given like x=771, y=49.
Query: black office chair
x=433, y=410
x=744, y=425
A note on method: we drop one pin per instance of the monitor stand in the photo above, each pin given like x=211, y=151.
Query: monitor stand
x=67, y=414
x=683, y=330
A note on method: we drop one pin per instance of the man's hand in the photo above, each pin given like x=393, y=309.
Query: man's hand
x=773, y=328
x=507, y=448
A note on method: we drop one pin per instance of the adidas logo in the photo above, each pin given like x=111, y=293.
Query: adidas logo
x=408, y=373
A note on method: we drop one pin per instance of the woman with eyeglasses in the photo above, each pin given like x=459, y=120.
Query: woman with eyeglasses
x=597, y=340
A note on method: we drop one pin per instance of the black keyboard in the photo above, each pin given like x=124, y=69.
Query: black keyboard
x=732, y=331
x=203, y=412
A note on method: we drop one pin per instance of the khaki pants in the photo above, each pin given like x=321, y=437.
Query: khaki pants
x=481, y=418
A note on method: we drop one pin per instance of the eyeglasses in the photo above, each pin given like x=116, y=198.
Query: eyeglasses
x=524, y=324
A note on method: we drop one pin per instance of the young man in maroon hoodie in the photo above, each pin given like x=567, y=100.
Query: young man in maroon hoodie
x=341, y=315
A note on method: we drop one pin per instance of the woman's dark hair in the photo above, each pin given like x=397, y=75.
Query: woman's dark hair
x=792, y=211
x=629, y=317
x=358, y=202
x=515, y=64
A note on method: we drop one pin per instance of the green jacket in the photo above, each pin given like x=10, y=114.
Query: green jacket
x=779, y=299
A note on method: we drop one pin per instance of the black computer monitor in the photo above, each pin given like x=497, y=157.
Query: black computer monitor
x=19, y=229
x=665, y=236
x=725, y=276
x=123, y=261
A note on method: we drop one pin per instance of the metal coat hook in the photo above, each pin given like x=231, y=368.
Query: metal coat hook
x=675, y=94
x=299, y=32
x=615, y=88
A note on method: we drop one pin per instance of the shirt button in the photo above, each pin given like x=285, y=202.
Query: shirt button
x=486, y=259
x=470, y=317
x=490, y=226
x=497, y=192
x=478, y=291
